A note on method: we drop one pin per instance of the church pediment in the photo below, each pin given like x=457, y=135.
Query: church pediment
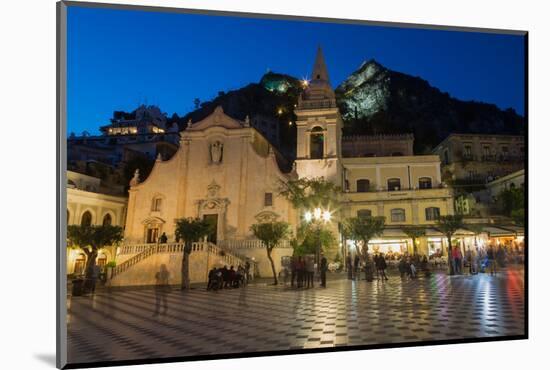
x=217, y=119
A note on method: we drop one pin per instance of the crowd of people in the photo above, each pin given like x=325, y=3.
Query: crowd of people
x=224, y=278
x=302, y=271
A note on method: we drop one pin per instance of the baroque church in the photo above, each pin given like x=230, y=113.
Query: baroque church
x=228, y=172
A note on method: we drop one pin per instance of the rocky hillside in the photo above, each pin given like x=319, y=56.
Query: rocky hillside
x=374, y=99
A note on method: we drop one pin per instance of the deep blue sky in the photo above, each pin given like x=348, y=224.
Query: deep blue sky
x=118, y=59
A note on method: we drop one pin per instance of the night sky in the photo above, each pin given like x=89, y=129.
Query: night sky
x=118, y=59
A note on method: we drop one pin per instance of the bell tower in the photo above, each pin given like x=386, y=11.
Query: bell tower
x=319, y=127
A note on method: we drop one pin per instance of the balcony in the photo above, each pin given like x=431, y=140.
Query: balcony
x=403, y=193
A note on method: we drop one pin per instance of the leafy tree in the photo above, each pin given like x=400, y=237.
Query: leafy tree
x=511, y=199
x=309, y=237
x=190, y=230
x=414, y=233
x=518, y=215
x=91, y=239
x=306, y=193
x=449, y=225
x=364, y=229
x=271, y=233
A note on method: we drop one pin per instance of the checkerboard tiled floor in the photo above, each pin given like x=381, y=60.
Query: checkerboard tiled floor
x=120, y=325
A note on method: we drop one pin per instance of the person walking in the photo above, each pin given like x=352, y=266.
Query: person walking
x=323, y=268
x=381, y=266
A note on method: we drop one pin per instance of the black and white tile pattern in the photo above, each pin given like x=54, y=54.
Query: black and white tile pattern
x=120, y=325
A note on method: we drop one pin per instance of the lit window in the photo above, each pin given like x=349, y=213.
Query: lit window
x=432, y=213
x=425, y=183
x=394, y=184
x=398, y=215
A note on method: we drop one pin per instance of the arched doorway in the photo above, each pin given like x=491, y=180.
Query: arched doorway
x=107, y=220
x=86, y=219
x=101, y=260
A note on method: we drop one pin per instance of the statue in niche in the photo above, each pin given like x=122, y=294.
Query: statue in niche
x=216, y=152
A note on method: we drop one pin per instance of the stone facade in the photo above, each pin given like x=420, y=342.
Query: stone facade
x=86, y=206
x=225, y=170
x=478, y=159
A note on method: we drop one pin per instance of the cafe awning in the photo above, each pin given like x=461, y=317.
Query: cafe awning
x=497, y=232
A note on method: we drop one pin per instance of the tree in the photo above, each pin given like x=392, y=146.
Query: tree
x=309, y=237
x=414, y=233
x=511, y=199
x=306, y=193
x=90, y=239
x=364, y=229
x=190, y=230
x=271, y=233
x=518, y=215
x=449, y=225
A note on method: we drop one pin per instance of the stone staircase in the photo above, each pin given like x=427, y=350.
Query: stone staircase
x=205, y=250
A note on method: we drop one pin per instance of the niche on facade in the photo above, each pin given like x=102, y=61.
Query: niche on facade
x=216, y=152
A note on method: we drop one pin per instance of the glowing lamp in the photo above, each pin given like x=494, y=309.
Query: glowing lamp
x=308, y=216
x=326, y=216
x=317, y=213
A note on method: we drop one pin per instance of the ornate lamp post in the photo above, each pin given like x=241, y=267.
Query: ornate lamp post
x=318, y=217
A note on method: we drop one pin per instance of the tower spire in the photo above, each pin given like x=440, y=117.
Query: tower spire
x=320, y=68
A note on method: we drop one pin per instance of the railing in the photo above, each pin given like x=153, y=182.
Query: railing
x=144, y=251
x=249, y=244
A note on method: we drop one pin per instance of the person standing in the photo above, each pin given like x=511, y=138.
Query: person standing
x=161, y=289
x=456, y=257
x=349, y=267
x=356, y=266
x=323, y=268
x=163, y=238
x=310, y=271
x=491, y=260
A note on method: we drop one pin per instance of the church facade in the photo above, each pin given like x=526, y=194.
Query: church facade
x=227, y=172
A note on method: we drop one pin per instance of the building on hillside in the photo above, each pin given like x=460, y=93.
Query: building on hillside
x=227, y=172
x=89, y=203
x=476, y=159
x=142, y=133
x=377, y=145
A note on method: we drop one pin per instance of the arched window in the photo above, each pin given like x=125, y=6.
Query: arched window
x=394, y=184
x=101, y=260
x=156, y=205
x=86, y=219
x=363, y=185
x=364, y=213
x=398, y=215
x=107, y=220
x=432, y=213
x=424, y=183
x=316, y=145
x=79, y=264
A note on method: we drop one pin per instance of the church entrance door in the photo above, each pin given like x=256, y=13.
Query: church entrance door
x=212, y=219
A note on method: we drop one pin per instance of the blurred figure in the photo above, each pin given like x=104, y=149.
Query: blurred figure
x=310, y=271
x=349, y=267
x=161, y=289
x=324, y=267
x=491, y=261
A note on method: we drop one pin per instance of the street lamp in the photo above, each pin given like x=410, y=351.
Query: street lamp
x=318, y=216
